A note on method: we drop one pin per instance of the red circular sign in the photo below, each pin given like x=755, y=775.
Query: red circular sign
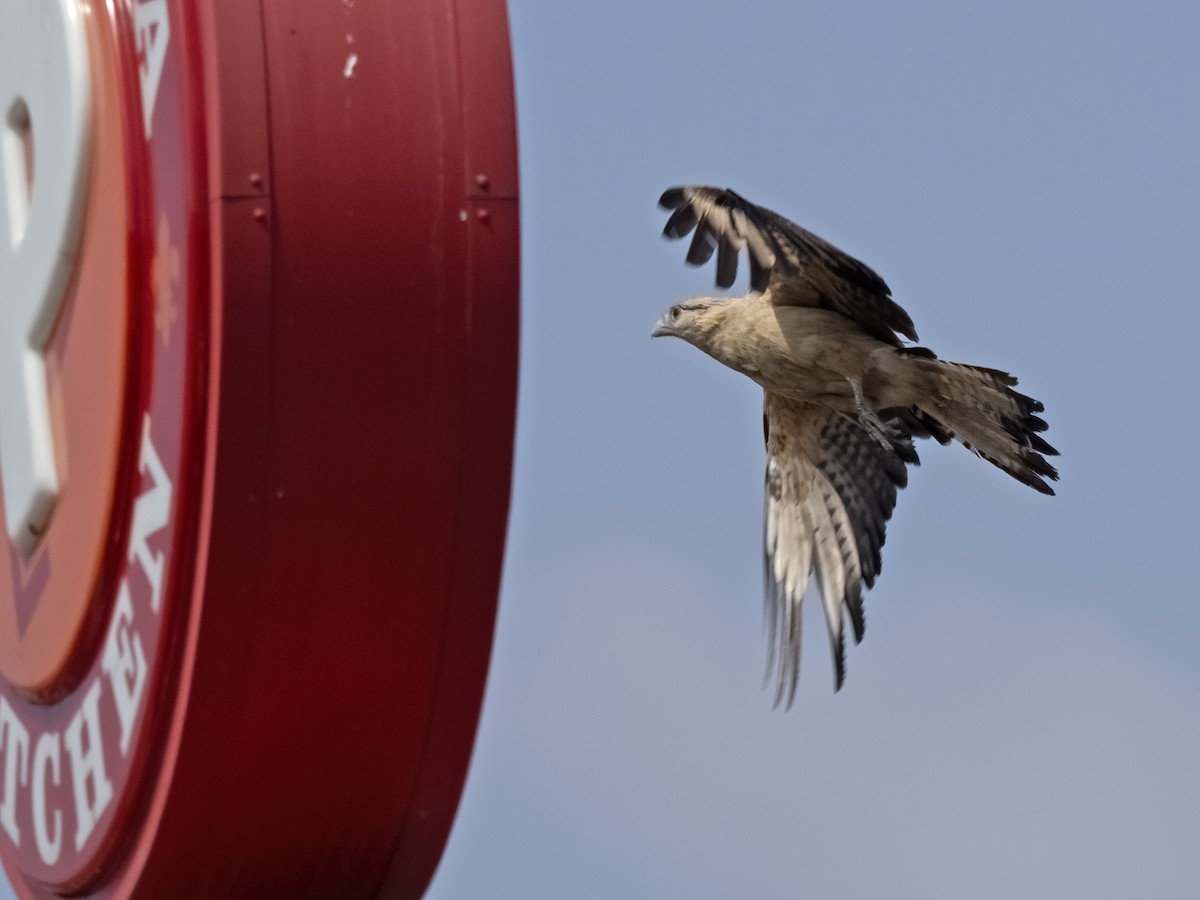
x=256, y=426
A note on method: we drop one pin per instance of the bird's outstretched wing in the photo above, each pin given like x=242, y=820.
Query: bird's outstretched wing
x=800, y=268
x=830, y=489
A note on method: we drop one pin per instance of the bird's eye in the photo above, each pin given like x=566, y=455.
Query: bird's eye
x=676, y=312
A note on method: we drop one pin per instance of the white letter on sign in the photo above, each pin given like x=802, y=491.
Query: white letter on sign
x=87, y=766
x=46, y=752
x=44, y=109
x=15, y=738
x=153, y=32
x=125, y=665
x=150, y=513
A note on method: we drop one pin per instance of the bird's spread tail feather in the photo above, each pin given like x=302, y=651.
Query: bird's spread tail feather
x=979, y=407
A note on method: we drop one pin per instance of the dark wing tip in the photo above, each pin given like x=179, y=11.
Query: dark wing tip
x=839, y=661
x=680, y=222
x=701, y=249
x=760, y=273
x=673, y=198
x=854, y=603
x=727, y=261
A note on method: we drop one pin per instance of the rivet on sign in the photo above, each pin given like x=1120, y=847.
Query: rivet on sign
x=483, y=181
x=256, y=180
x=260, y=214
x=482, y=214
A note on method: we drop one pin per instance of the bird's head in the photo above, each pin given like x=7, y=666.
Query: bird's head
x=693, y=320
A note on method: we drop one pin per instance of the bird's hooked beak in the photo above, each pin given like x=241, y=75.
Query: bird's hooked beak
x=663, y=328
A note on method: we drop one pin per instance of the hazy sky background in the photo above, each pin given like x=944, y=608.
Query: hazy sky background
x=1023, y=717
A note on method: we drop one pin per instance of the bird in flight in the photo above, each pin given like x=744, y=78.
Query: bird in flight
x=843, y=398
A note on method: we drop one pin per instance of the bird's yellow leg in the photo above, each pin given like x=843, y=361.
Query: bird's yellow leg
x=868, y=418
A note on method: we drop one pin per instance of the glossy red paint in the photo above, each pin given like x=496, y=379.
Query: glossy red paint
x=329, y=193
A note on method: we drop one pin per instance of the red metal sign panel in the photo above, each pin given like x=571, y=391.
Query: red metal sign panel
x=256, y=412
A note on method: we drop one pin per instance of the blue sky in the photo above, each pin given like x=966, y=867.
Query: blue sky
x=1023, y=717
